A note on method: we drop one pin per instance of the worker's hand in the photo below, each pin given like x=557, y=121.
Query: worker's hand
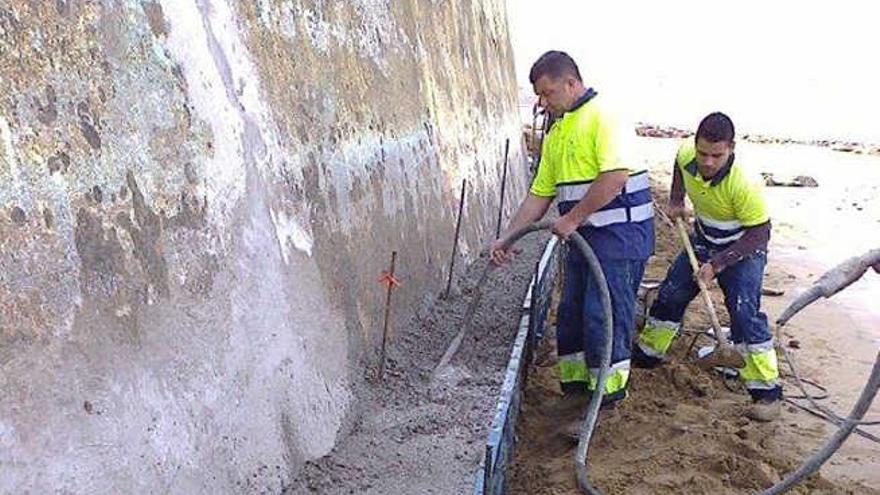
x=677, y=210
x=564, y=226
x=706, y=273
x=499, y=254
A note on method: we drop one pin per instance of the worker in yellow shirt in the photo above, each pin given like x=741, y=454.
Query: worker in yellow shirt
x=609, y=203
x=732, y=230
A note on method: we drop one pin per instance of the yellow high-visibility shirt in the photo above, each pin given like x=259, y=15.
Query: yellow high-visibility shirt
x=583, y=143
x=725, y=204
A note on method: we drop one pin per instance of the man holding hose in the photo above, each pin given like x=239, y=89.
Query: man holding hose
x=609, y=203
x=732, y=232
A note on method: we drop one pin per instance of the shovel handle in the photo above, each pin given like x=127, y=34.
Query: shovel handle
x=704, y=291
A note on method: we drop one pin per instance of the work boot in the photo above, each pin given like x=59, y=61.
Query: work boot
x=572, y=430
x=567, y=405
x=764, y=411
x=639, y=359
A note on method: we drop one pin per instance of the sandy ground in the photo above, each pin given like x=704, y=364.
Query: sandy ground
x=416, y=436
x=814, y=230
x=681, y=430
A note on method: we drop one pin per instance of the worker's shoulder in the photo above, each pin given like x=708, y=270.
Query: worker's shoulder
x=590, y=113
x=686, y=152
x=604, y=113
x=599, y=108
x=741, y=175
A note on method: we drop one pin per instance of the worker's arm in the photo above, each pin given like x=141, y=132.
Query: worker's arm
x=606, y=186
x=531, y=210
x=676, y=207
x=751, y=211
x=754, y=239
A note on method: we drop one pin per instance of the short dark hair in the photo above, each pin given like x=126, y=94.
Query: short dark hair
x=554, y=64
x=715, y=128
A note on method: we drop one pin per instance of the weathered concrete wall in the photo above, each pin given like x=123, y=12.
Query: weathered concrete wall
x=196, y=200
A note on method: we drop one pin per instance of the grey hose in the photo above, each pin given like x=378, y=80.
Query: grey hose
x=832, y=282
x=589, y=423
x=829, y=284
x=478, y=295
x=837, y=439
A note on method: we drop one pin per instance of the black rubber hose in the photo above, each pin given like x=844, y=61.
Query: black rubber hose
x=589, y=423
x=477, y=295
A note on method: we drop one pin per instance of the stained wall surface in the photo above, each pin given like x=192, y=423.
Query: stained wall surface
x=197, y=198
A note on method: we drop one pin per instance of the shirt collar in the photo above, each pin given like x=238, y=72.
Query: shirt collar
x=588, y=95
x=725, y=170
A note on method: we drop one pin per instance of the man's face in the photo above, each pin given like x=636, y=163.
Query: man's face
x=556, y=94
x=711, y=157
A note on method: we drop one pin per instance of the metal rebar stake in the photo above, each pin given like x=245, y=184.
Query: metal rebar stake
x=389, y=279
x=455, y=240
x=503, y=184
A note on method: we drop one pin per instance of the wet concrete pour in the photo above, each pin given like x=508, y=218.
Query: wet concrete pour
x=415, y=436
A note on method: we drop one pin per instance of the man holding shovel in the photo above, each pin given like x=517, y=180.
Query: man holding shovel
x=732, y=230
